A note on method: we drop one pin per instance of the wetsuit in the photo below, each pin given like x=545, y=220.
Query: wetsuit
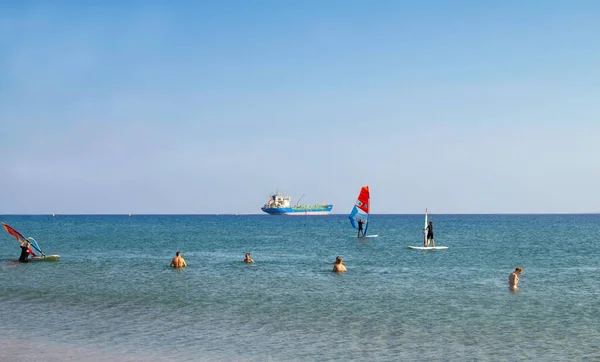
x=24, y=254
x=430, y=232
x=360, y=227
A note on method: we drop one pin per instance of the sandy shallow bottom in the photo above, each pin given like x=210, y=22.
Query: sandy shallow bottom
x=17, y=351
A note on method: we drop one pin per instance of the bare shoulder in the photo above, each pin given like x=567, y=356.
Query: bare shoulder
x=339, y=268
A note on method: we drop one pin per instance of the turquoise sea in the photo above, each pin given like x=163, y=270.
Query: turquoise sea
x=112, y=296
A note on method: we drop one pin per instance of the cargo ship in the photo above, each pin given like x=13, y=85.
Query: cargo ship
x=279, y=205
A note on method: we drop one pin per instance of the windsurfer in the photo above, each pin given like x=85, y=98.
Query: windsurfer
x=360, y=228
x=430, y=234
x=248, y=259
x=339, y=267
x=177, y=262
x=513, y=278
x=25, y=251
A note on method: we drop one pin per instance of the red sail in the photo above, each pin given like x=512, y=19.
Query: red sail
x=363, y=202
x=14, y=233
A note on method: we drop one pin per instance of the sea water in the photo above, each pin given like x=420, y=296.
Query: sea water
x=112, y=295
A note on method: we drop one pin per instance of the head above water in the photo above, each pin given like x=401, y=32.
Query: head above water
x=178, y=253
x=519, y=269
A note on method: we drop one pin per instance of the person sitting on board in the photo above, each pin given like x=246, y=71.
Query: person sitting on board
x=248, y=259
x=25, y=251
x=339, y=267
x=177, y=262
x=430, y=235
x=513, y=278
x=360, y=228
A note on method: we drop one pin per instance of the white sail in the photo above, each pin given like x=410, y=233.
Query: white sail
x=425, y=230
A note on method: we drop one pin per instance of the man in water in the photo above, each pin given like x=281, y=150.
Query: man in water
x=513, y=278
x=25, y=251
x=339, y=267
x=248, y=259
x=178, y=261
x=430, y=234
x=360, y=228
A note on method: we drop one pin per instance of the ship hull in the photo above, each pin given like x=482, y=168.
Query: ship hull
x=298, y=212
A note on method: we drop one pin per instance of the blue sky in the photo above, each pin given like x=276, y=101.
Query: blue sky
x=208, y=107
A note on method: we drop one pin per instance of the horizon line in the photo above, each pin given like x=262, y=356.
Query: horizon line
x=264, y=214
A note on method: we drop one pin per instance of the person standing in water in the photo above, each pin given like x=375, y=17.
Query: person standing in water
x=178, y=262
x=339, y=267
x=248, y=259
x=25, y=251
x=430, y=234
x=360, y=228
x=513, y=278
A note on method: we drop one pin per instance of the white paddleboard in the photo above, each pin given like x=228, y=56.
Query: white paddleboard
x=47, y=258
x=371, y=236
x=428, y=247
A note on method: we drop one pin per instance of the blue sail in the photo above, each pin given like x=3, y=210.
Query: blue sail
x=361, y=210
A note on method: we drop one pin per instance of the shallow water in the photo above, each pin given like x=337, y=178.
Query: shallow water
x=112, y=293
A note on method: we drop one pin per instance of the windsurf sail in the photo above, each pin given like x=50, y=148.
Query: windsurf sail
x=362, y=209
x=425, y=230
x=21, y=239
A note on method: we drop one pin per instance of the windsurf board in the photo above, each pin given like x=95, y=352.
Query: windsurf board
x=46, y=258
x=427, y=247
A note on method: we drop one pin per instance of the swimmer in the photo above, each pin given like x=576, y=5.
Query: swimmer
x=178, y=261
x=513, y=278
x=339, y=267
